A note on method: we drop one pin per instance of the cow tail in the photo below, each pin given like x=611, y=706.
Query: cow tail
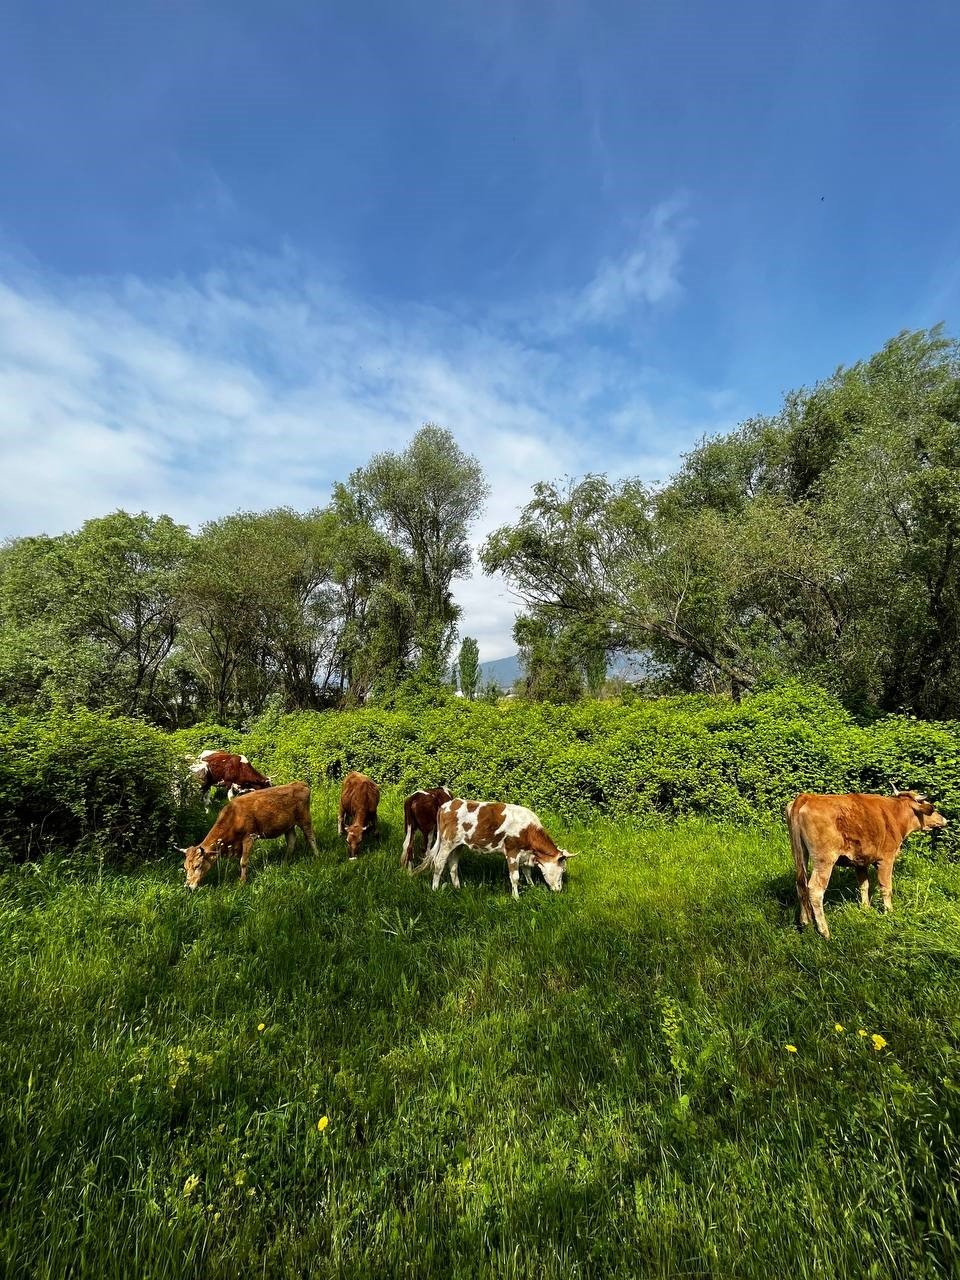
x=407, y=852
x=799, y=858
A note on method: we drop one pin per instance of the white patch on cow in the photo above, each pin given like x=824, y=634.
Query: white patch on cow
x=244, y=760
x=205, y=755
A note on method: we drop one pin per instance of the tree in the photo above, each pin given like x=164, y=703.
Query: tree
x=821, y=541
x=425, y=499
x=469, y=667
x=93, y=616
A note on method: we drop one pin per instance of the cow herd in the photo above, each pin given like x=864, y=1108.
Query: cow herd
x=859, y=831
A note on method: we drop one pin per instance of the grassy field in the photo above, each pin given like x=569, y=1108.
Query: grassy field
x=338, y=1073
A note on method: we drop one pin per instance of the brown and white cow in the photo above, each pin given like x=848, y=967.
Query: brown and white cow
x=420, y=815
x=490, y=827
x=224, y=771
x=359, y=797
x=858, y=831
x=275, y=811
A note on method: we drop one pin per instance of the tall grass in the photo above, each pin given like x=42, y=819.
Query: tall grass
x=592, y=1083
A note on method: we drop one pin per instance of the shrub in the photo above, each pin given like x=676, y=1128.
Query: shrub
x=85, y=782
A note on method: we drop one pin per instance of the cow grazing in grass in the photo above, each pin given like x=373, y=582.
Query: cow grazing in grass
x=489, y=827
x=858, y=831
x=420, y=815
x=224, y=771
x=359, y=797
x=275, y=811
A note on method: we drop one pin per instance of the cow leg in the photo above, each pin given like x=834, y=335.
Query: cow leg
x=863, y=881
x=453, y=865
x=308, y=835
x=819, y=880
x=527, y=873
x=440, y=861
x=248, y=843
x=291, y=841
x=885, y=881
x=514, y=872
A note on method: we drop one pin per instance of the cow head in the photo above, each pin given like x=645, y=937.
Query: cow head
x=928, y=819
x=355, y=833
x=553, y=868
x=197, y=861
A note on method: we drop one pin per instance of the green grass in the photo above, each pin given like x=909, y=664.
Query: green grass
x=592, y=1083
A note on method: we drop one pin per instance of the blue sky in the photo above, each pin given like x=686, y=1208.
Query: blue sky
x=244, y=245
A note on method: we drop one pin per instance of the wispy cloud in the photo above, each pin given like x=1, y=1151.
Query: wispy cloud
x=262, y=384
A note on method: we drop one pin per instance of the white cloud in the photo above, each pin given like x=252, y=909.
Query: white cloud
x=262, y=384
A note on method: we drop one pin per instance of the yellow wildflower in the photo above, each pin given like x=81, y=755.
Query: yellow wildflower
x=861, y=1032
x=322, y=1123
x=241, y=1178
x=191, y=1184
x=262, y=1026
x=878, y=1042
x=838, y=1026
x=790, y=1048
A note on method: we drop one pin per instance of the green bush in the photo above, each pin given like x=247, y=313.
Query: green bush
x=84, y=782
x=79, y=780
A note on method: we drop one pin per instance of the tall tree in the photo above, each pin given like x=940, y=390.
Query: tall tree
x=468, y=666
x=425, y=499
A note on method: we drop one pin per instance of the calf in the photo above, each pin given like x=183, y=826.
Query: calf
x=276, y=811
x=359, y=797
x=857, y=831
x=222, y=770
x=420, y=815
x=509, y=829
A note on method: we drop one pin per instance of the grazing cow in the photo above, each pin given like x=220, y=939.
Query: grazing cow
x=276, y=811
x=420, y=815
x=359, y=797
x=857, y=831
x=509, y=829
x=222, y=770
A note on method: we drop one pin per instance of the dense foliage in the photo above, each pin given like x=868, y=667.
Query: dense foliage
x=136, y=615
x=821, y=542
x=72, y=779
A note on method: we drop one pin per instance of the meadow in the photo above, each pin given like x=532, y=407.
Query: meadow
x=336, y=1072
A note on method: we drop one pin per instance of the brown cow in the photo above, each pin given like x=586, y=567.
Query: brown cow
x=420, y=815
x=359, y=797
x=857, y=831
x=222, y=770
x=509, y=829
x=276, y=811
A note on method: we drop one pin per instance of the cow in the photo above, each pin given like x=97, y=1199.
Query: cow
x=857, y=831
x=359, y=797
x=490, y=827
x=420, y=815
x=222, y=770
x=275, y=811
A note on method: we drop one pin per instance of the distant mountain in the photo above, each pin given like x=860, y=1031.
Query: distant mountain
x=506, y=671
x=501, y=671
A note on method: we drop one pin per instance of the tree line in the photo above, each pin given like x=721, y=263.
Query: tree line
x=818, y=542
x=314, y=609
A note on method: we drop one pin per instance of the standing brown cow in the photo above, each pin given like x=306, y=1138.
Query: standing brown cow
x=420, y=815
x=359, y=797
x=858, y=831
x=274, y=811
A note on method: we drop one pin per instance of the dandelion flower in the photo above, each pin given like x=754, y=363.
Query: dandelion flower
x=216, y=1216
x=878, y=1042
x=838, y=1026
x=790, y=1048
x=861, y=1032
x=262, y=1026
x=322, y=1123
x=191, y=1184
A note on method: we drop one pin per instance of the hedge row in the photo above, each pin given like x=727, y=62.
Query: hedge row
x=82, y=780
x=666, y=757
